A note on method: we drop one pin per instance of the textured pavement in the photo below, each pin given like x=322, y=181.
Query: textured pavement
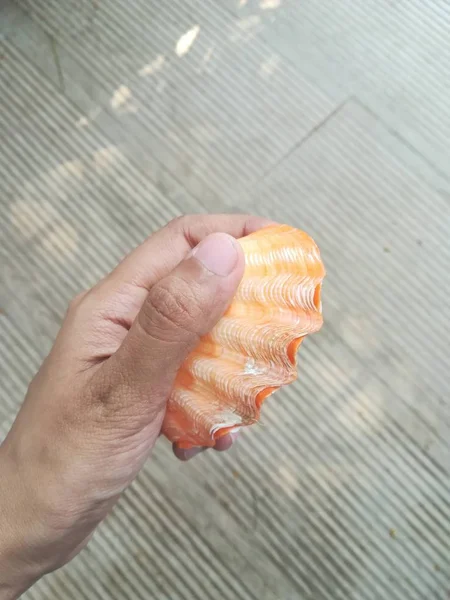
x=332, y=116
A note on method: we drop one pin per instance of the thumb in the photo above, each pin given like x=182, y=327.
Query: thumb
x=178, y=310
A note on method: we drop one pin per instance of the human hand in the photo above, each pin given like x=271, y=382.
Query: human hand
x=94, y=410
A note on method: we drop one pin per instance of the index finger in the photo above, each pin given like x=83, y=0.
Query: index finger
x=159, y=254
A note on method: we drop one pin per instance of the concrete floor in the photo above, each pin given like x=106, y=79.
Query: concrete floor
x=332, y=116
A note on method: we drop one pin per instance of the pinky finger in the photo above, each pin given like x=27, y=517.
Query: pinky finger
x=185, y=454
x=222, y=444
x=225, y=442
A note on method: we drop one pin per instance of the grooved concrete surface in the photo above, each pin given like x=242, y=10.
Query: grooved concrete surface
x=333, y=116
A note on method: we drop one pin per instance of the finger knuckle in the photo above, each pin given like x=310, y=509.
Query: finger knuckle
x=76, y=302
x=179, y=223
x=172, y=308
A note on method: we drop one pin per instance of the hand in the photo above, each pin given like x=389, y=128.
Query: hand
x=94, y=410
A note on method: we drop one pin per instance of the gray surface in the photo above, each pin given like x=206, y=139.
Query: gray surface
x=332, y=116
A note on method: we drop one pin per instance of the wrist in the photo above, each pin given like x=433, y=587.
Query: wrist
x=18, y=569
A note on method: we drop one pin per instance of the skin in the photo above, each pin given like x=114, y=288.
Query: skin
x=94, y=410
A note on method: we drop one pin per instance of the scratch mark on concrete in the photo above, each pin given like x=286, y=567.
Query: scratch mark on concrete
x=57, y=63
x=255, y=511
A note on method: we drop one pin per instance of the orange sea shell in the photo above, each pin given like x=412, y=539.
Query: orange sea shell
x=251, y=352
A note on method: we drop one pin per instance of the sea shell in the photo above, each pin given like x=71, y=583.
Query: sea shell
x=252, y=350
